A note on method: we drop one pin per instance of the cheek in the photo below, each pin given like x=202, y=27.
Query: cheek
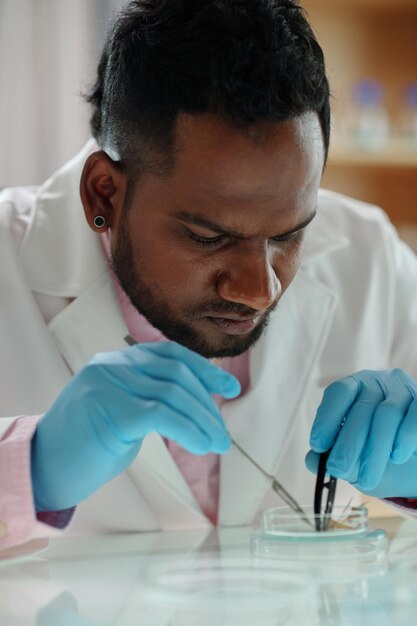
x=177, y=274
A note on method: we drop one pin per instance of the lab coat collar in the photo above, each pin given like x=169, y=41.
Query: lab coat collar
x=322, y=237
x=60, y=254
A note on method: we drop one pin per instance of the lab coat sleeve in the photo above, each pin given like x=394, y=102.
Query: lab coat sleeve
x=19, y=522
x=404, y=343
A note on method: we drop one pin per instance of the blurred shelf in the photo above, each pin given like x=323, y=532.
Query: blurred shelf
x=370, y=39
x=395, y=155
x=361, y=4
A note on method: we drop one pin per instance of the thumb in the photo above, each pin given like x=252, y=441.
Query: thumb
x=312, y=461
x=230, y=387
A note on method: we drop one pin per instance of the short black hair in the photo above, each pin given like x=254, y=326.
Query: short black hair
x=247, y=60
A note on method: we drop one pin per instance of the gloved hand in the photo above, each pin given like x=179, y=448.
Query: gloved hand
x=95, y=428
x=376, y=448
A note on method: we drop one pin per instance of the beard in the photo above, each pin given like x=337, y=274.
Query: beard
x=136, y=281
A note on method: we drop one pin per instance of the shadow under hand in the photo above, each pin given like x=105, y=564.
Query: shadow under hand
x=62, y=611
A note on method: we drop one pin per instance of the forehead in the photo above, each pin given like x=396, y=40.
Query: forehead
x=259, y=180
x=223, y=170
x=261, y=161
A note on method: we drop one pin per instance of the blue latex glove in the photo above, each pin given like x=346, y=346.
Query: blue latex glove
x=376, y=448
x=95, y=428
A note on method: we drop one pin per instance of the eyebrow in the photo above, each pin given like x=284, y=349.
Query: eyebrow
x=199, y=220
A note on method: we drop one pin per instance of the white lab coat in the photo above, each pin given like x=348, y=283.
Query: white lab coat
x=352, y=305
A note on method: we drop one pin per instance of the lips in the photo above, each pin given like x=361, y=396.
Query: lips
x=236, y=325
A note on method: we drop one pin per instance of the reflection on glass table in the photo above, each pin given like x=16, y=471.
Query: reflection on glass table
x=201, y=579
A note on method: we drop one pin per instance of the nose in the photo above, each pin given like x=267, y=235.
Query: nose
x=251, y=281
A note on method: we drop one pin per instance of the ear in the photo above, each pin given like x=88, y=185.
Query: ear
x=102, y=190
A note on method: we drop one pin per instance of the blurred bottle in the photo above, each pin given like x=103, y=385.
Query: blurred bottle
x=408, y=115
x=370, y=122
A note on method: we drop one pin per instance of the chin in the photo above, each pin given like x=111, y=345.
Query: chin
x=231, y=351
x=228, y=346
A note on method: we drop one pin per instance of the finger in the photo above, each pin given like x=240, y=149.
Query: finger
x=405, y=444
x=214, y=378
x=131, y=418
x=398, y=481
x=312, y=461
x=382, y=434
x=161, y=368
x=168, y=423
x=173, y=396
x=353, y=474
x=128, y=365
x=337, y=400
x=351, y=439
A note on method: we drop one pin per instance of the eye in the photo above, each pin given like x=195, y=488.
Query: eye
x=294, y=237
x=206, y=241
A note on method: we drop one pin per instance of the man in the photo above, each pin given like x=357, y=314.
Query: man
x=203, y=225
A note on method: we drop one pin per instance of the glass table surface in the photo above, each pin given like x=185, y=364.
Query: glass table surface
x=203, y=578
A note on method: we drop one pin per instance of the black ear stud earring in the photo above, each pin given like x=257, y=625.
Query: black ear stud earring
x=99, y=221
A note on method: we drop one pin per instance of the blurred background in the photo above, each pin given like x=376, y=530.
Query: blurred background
x=371, y=52
x=49, y=51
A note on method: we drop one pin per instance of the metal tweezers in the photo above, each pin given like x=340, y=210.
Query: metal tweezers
x=322, y=519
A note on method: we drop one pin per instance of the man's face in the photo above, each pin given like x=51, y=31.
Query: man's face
x=206, y=253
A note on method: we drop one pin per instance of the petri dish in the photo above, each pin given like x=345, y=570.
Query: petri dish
x=348, y=548
x=282, y=522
